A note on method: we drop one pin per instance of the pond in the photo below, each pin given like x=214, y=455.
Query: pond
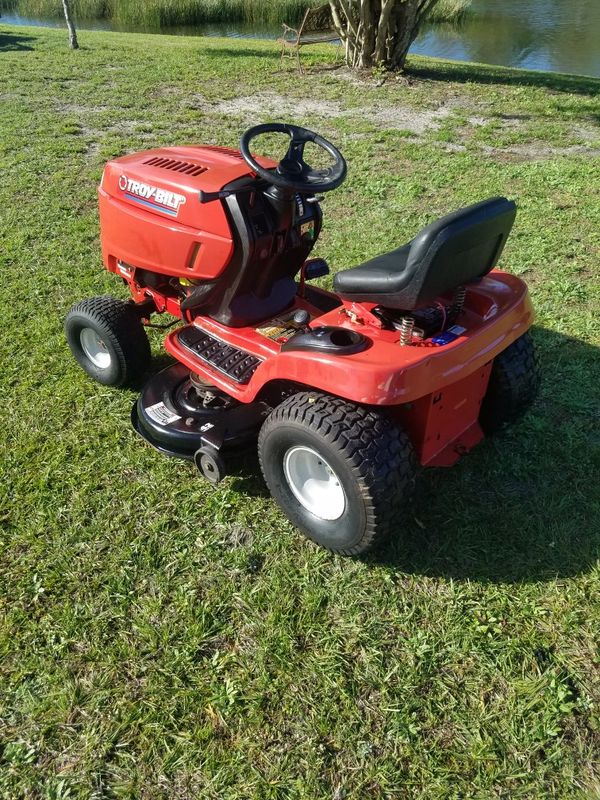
x=550, y=35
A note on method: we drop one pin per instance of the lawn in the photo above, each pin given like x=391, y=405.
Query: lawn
x=161, y=638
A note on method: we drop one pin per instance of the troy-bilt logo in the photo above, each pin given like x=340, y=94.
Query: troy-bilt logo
x=152, y=196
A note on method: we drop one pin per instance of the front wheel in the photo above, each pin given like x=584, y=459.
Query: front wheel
x=108, y=340
x=339, y=471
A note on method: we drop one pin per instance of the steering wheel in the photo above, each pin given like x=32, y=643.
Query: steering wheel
x=293, y=172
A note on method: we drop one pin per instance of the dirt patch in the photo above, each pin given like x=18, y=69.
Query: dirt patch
x=8, y=97
x=519, y=152
x=397, y=116
x=587, y=133
x=80, y=110
x=131, y=127
x=366, y=80
x=538, y=151
x=126, y=126
x=271, y=103
x=93, y=151
x=168, y=91
x=410, y=119
x=478, y=122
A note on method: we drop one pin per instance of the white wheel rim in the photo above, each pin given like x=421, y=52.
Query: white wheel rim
x=94, y=348
x=313, y=483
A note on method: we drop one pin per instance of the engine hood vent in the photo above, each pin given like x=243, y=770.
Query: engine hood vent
x=227, y=151
x=183, y=167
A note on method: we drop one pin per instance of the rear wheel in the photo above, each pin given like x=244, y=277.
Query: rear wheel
x=108, y=340
x=513, y=386
x=340, y=472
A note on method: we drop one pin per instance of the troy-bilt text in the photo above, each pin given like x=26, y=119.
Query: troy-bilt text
x=151, y=193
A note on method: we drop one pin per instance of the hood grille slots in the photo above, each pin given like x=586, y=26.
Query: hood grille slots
x=184, y=167
x=228, y=151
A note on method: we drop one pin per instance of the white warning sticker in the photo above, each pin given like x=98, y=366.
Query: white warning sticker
x=456, y=329
x=161, y=414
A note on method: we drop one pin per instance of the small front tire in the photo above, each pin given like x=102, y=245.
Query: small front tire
x=339, y=471
x=108, y=340
x=210, y=464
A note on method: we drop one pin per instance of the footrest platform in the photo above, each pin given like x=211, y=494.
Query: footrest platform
x=236, y=364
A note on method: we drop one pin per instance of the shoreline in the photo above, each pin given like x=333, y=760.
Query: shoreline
x=549, y=74
x=214, y=30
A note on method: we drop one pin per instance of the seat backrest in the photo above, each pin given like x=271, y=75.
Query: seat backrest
x=317, y=20
x=457, y=248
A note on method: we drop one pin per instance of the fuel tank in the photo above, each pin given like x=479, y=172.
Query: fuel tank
x=151, y=217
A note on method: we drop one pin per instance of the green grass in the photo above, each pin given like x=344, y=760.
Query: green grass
x=160, y=638
x=170, y=12
x=164, y=13
x=449, y=11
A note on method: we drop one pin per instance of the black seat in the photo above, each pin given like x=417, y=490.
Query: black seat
x=448, y=253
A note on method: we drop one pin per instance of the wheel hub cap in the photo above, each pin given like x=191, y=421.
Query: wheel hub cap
x=314, y=483
x=94, y=348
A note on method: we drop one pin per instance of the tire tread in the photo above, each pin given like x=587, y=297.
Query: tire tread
x=379, y=453
x=514, y=384
x=125, y=328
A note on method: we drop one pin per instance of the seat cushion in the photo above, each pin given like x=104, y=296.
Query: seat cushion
x=454, y=250
x=382, y=274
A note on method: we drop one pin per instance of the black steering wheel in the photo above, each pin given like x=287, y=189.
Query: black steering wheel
x=293, y=172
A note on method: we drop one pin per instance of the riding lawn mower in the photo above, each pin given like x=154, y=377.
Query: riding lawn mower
x=417, y=355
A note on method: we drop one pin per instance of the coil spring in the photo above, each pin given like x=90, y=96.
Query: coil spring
x=458, y=301
x=406, y=330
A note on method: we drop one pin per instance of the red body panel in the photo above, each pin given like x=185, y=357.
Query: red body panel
x=436, y=391
x=386, y=373
x=443, y=424
x=151, y=216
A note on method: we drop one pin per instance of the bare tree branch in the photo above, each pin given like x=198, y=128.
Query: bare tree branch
x=337, y=22
x=73, y=43
x=382, y=29
x=378, y=31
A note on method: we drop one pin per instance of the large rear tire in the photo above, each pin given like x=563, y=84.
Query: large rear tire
x=339, y=471
x=513, y=386
x=108, y=340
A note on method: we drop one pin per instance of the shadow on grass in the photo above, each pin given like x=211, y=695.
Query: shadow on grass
x=157, y=363
x=243, y=52
x=478, y=73
x=525, y=505
x=13, y=41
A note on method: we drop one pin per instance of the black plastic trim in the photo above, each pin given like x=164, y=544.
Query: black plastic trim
x=328, y=339
x=237, y=364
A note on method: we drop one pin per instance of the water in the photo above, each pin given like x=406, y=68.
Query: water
x=550, y=35
x=238, y=30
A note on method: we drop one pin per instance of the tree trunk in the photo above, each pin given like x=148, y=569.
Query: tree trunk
x=73, y=43
x=378, y=32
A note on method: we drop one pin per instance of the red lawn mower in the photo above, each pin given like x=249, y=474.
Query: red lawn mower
x=419, y=353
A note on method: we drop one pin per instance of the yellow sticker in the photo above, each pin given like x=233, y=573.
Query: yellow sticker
x=276, y=331
x=308, y=229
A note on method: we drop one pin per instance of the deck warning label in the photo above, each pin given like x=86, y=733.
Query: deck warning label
x=161, y=414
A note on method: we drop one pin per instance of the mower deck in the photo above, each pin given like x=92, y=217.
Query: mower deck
x=175, y=418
